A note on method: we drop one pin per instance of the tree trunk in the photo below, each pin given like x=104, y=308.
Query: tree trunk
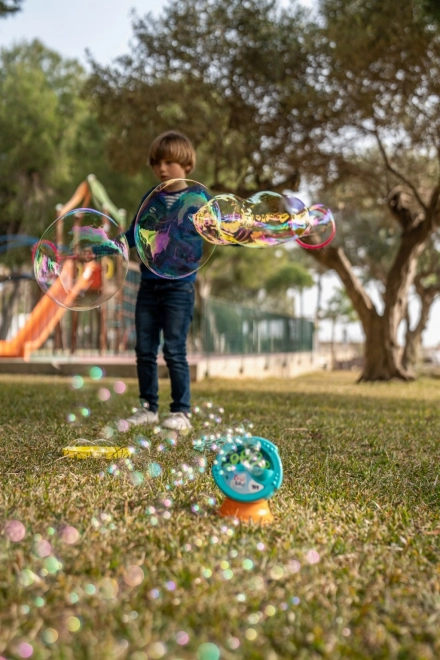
x=382, y=355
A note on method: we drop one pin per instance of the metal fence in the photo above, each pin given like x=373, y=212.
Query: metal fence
x=235, y=329
x=220, y=327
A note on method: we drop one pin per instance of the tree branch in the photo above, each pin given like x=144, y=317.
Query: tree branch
x=396, y=173
x=336, y=259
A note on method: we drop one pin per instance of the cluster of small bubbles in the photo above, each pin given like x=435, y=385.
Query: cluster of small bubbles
x=103, y=522
x=209, y=413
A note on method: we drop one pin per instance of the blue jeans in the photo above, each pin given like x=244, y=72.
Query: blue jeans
x=168, y=306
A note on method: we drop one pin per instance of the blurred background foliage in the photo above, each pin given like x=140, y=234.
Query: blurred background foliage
x=341, y=101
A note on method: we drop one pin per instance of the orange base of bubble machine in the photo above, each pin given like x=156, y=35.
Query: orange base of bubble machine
x=257, y=512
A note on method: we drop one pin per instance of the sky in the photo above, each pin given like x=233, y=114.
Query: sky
x=104, y=28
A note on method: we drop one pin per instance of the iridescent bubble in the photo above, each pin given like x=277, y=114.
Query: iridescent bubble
x=77, y=382
x=15, y=530
x=312, y=557
x=122, y=425
x=322, y=228
x=165, y=235
x=137, y=478
x=182, y=638
x=133, y=575
x=156, y=650
x=69, y=535
x=43, y=548
x=119, y=387
x=96, y=373
x=208, y=651
x=265, y=219
x=50, y=635
x=82, y=259
x=104, y=394
x=108, y=588
x=250, y=634
x=73, y=624
x=25, y=650
x=154, y=470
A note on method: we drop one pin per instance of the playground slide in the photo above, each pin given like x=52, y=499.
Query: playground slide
x=45, y=315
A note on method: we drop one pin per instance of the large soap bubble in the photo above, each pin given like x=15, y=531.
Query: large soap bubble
x=263, y=220
x=165, y=235
x=81, y=260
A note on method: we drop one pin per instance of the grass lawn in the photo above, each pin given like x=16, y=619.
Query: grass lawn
x=349, y=569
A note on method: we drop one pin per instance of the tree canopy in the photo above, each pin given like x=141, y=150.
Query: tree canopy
x=347, y=101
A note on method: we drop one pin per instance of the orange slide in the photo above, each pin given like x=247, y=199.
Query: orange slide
x=46, y=314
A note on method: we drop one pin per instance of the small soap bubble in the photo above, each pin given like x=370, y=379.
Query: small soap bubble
x=156, y=650
x=25, y=650
x=182, y=638
x=208, y=651
x=42, y=548
x=154, y=470
x=122, y=425
x=69, y=535
x=312, y=557
x=77, y=382
x=73, y=624
x=104, y=394
x=133, y=575
x=15, y=531
x=50, y=635
x=96, y=373
x=119, y=387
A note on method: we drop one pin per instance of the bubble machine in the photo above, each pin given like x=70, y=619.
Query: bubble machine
x=248, y=472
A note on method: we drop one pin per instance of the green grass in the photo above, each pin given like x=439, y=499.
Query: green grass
x=361, y=489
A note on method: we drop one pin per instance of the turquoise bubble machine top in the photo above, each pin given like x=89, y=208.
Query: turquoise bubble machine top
x=248, y=471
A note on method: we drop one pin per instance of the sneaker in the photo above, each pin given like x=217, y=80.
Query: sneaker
x=143, y=416
x=177, y=421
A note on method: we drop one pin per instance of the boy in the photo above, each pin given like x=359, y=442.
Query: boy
x=163, y=304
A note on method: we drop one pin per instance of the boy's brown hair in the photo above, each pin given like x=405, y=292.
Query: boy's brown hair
x=175, y=147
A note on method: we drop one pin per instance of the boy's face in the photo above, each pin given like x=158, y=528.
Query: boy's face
x=167, y=169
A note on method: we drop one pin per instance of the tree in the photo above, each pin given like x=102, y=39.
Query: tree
x=37, y=105
x=8, y=7
x=383, y=98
